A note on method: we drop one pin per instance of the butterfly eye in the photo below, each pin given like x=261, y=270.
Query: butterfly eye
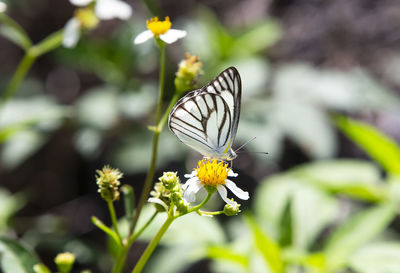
x=207, y=119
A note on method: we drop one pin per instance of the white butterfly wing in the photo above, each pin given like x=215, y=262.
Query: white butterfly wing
x=207, y=119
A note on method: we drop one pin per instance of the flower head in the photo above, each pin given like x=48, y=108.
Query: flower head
x=108, y=181
x=89, y=14
x=188, y=70
x=212, y=175
x=161, y=30
x=64, y=262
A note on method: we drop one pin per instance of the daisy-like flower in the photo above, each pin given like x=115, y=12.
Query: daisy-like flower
x=88, y=17
x=160, y=29
x=212, y=174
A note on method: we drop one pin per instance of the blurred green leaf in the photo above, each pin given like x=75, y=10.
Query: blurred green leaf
x=310, y=209
x=356, y=178
x=14, y=32
x=228, y=254
x=9, y=205
x=380, y=147
x=98, y=108
x=267, y=246
x=20, y=147
x=190, y=230
x=379, y=257
x=257, y=38
x=355, y=232
x=15, y=257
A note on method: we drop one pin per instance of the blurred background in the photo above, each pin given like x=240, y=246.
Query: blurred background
x=301, y=61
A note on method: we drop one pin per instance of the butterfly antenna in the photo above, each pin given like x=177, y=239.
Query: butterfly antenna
x=244, y=144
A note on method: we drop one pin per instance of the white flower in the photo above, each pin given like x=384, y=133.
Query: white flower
x=3, y=6
x=160, y=29
x=88, y=18
x=212, y=173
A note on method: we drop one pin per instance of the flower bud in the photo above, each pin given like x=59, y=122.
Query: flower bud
x=230, y=210
x=188, y=70
x=169, y=180
x=108, y=181
x=64, y=262
x=41, y=268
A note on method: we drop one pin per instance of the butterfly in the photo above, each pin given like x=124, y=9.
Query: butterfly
x=207, y=119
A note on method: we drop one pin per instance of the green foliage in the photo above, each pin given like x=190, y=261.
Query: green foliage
x=380, y=147
x=15, y=257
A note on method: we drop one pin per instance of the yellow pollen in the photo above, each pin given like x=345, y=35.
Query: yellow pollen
x=212, y=173
x=86, y=17
x=158, y=27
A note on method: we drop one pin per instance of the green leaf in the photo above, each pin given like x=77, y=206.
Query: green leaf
x=269, y=249
x=228, y=254
x=14, y=32
x=15, y=257
x=380, y=147
x=259, y=37
x=354, y=233
x=356, y=178
x=382, y=257
x=9, y=205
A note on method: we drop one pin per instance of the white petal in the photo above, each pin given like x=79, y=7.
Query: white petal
x=224, y=195
x=189, y=181
x=244, y=195
x=3, y=6
x=158, y=201
x=72, y=32
x=172, y=35
x=232, y=174
x=190, y=193
x=80, y=3
x=194, y=173
x=109, y=9
x=143, y=37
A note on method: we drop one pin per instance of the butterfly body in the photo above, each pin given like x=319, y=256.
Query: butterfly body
x=206, y=119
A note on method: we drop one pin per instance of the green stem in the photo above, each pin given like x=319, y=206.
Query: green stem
x=32, y=53
x=164, y=118
x=150, y=175
x=199, y=206
x=120, y=262
x=114, y=219
x=137, y=234
x=18, y=76
x=150, y=248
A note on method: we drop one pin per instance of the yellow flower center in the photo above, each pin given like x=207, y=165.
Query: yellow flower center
x=158, y=27
x=86, y=17
x=212, y=172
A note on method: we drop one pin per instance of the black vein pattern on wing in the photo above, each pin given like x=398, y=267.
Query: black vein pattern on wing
x=193, y=131
x=228, y=80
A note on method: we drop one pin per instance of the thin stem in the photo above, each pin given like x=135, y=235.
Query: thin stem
x=114, y=219
x=199, y=206
x=32, y=53
x=150, y=175
x=212, y=213
x=120, y=262
x=18, y=76
x=150, y=248
x=164, y=118
x=137, y=234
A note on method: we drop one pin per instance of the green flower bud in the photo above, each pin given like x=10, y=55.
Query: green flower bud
x=169, y=180
x=64, y=262
x=188, y=71
x=108, y=181
x=230, y=210
x=41, y=268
